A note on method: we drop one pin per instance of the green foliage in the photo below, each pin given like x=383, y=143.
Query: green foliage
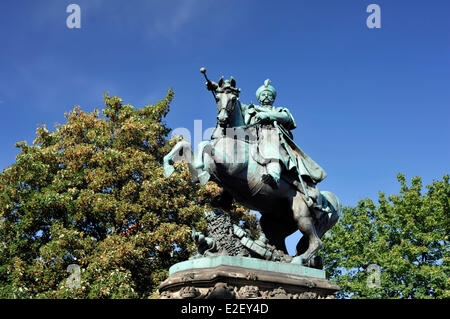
x=93, y=193
x=407, y=235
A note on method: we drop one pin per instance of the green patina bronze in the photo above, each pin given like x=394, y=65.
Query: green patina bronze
x=248, y=264
x=282, y=120
x=253, y=157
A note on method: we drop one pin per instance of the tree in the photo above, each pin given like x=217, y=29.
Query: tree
x=405, y=238
x=92, y=194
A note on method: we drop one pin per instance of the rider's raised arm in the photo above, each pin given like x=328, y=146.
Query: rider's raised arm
x=211, y=86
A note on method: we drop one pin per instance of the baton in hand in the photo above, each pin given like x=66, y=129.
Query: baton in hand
x=203, y=71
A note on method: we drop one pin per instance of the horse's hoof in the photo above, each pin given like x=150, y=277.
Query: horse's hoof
x=204, y=178
x=299, y=260
x=168, y=170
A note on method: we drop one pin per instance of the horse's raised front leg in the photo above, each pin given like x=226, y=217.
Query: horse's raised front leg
x=181, y=152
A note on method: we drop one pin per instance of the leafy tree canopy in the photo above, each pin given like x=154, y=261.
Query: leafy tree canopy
x=92, y=193
x=406, y=239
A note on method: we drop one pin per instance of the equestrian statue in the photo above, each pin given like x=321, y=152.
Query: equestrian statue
x=252, y=156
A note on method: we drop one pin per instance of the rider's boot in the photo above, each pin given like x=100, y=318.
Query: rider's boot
x=272, y=177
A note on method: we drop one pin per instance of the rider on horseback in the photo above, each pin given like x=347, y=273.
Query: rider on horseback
x=268, y=116
x=276, y=123
x=252, y=155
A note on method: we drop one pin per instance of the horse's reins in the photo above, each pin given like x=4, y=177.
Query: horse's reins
x=284, y=133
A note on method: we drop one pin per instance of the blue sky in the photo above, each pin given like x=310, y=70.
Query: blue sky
x=369, y=103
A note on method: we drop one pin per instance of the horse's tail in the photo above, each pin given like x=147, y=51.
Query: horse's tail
x=334, y=203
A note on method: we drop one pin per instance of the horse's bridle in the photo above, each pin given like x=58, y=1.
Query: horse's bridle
x=226, y=107
x=229, y=107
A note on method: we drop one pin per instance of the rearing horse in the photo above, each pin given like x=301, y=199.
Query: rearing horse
x=231, y=159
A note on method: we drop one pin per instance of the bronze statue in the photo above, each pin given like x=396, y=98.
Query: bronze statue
x=253, y=157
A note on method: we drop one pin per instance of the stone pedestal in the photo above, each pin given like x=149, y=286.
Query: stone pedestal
x=233, y=277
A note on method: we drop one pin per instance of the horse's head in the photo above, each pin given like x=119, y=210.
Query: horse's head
x=226, y=97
